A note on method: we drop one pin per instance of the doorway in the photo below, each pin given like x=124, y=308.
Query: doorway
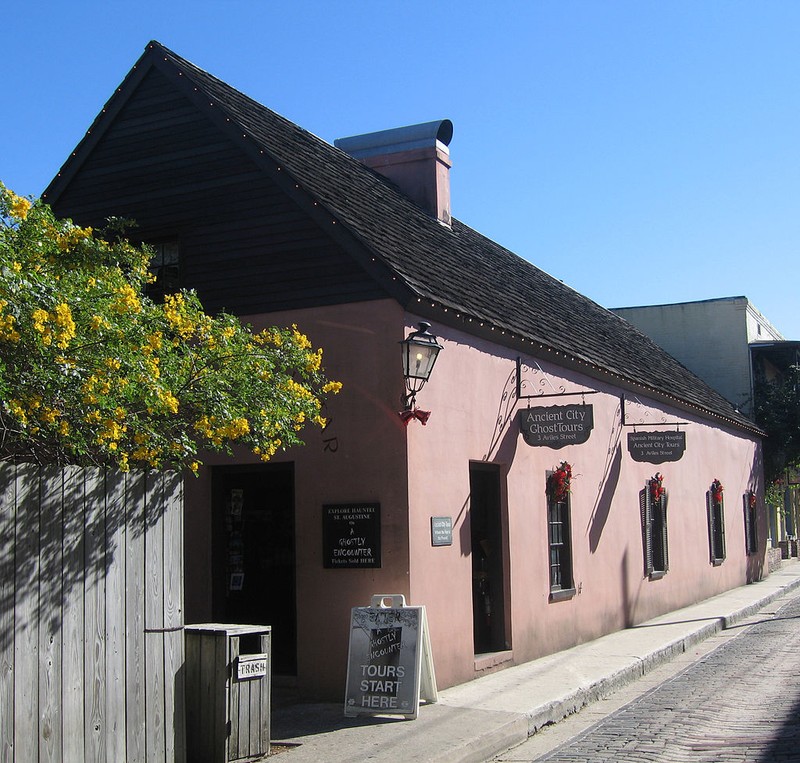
x=488, y=554
x=254, y=554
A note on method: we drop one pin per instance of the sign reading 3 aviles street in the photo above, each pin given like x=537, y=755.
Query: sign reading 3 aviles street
x=555, y=426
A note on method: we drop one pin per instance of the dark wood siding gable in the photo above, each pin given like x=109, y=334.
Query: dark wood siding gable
x=245, y=245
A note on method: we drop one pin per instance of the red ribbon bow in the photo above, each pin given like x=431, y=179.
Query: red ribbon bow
x=422, y=416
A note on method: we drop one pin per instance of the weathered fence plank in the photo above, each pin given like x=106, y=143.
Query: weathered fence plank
x=91, y=616
x=26, y=621
x=154, y=620
x=134, y=629
x=115, y=616
x=174, y=657
x=50, y=598
x=72, y=678
x=8, y=489
x=95, y=616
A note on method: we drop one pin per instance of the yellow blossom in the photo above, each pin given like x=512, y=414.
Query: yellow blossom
x=19, y=206
x=127, y=300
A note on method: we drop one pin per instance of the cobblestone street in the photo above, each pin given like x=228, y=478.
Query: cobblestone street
x=740, y=702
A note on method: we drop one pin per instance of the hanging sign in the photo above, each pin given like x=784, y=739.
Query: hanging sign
x=351, y=535
x=656, y=447
x=389, y=665
x=555, y=426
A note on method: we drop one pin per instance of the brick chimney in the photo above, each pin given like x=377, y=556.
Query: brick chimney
x=415, y=158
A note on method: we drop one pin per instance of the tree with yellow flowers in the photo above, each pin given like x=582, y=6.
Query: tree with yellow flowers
x=92, y=371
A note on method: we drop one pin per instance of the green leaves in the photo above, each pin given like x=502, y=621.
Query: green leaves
x=777, y=409
x=93, y=371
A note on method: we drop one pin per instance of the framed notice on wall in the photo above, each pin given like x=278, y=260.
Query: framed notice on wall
x=351, y=535
x=389, y=665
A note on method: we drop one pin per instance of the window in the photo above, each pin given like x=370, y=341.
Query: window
x=750, y=536
x=165, y=269
x=716, y=523
x=653, y=509
x=559, y=533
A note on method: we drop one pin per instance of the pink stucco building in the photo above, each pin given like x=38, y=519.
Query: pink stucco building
x=356, y=244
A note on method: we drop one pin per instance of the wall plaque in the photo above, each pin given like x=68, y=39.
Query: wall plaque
x=656, y=447
x=555, y=426
x=441, y=531
x=351, y=535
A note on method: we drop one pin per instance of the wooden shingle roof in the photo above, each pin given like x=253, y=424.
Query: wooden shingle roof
x=430, y=264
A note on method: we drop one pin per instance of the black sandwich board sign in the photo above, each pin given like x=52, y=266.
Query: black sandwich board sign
x=389, y=664
x=656, y=447
x=555, y=426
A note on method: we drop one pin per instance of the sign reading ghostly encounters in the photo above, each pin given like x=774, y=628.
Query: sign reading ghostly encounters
x=656, y=447
x=555, y=426
x=389, y=666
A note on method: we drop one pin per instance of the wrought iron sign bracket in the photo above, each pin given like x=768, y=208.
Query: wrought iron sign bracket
x=625, y=423
x=542, y=395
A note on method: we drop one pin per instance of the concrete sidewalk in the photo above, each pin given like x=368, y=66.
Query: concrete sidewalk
x=474, y=722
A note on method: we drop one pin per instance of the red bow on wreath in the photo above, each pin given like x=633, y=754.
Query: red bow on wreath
x=558, y=483
x=657, y=490
x=423, y=416
x=716, y=491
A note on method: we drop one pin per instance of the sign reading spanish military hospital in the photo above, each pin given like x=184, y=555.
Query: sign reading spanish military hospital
x=656, y=447
x=555, y=426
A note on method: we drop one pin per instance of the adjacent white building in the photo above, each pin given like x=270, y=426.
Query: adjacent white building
x=712, y=337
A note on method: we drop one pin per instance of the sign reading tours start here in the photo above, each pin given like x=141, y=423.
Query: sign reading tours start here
x=555, y=426
x=389, y=665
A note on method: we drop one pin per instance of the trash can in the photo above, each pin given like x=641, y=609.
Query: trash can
x=228, y=671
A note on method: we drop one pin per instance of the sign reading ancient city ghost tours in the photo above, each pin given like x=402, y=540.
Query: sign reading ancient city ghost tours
x=555, y=426
x=389, y=665
x=351, y=535
x=656, y=447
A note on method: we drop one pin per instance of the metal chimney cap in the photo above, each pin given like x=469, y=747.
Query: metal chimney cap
x=398, y=139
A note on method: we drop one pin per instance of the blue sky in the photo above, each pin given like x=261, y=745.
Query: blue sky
x=643, y=152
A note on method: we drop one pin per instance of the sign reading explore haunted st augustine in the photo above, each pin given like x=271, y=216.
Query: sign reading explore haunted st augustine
x=555, y=426
x=656, y=447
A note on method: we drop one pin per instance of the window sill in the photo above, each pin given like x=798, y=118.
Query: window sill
x=563, y=594
x=657, y=574
x=717, y=562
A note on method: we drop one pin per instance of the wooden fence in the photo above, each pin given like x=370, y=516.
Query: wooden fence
x=91, y=615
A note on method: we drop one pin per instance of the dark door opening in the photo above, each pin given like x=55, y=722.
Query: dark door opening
x=488, y=579
x=254, y=554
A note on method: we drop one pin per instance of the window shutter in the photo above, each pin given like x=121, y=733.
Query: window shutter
x=665, y=545
x=747, y=526
x=645, y=509
x=710, y=513
x=720, y=522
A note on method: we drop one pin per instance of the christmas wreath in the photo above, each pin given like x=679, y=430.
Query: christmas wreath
x=558, y=483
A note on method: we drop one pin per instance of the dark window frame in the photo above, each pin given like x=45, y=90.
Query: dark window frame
x=655, y=533
x=167, y=273
x=750, y=523
x=715, y=512
x=559, y=546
